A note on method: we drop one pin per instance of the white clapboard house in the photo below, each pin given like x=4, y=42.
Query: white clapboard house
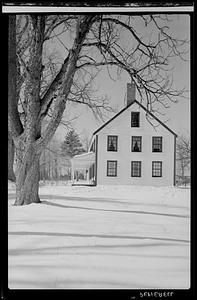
x=129, y=150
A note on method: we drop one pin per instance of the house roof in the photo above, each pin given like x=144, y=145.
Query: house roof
x=84, y=160
x=84, y=154
x=125, y=108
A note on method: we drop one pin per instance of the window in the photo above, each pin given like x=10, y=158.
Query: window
x=112, y=143
x=157, y=144
x=136, y=144
x=135, y=119
x=156, y=169
x=112, y=168
x=136, y=169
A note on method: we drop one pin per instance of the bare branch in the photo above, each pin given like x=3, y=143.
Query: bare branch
x=55, y=22
x=83, y=26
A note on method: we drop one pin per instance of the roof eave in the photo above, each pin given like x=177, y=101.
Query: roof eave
x=125, y=108
x=121, y=111
x=156, y=119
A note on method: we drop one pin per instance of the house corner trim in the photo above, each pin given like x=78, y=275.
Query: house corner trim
x=96, y=168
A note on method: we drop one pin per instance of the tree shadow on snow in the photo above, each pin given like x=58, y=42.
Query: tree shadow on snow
x=105, y=236
x=113, y=210
x=97, y=249
x=104, y=200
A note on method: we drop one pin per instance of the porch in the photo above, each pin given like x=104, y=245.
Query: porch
x=83, y=169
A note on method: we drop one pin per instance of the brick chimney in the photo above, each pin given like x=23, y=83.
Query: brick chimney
x=130, y=93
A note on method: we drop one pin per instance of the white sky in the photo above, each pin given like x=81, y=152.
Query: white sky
x=177, y=117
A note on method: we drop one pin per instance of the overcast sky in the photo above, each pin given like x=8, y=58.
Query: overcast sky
x=177, y=117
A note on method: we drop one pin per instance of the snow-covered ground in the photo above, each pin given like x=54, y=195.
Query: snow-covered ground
x=107, y=237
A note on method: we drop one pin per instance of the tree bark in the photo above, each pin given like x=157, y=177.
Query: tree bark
x=27, y=156
x=11, y=175
x=27, y=175
x=15, y=125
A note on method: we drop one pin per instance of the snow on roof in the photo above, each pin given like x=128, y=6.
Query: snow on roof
x=84, y=154
x=83, y=160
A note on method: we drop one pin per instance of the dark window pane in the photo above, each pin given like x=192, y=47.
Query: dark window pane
x=135, y=119
x=136, y=144
x=156, y=169
x=136, y=168
x=157, y=144
x=111, y=168
x=112, y=143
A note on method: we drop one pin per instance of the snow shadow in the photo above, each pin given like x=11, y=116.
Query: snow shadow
x=105, y=236
x=105, y=200
x=114, y=210
x=76, y=284
x=96, y=250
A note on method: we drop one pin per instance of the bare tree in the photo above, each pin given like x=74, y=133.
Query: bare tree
x=91, y=42
x=86, y=140
x=52, y=164
x=183, y=155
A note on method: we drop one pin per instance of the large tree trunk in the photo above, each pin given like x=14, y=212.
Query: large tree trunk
x=11, y=175
x=27, y=175
x=27, y=155
x=28, y=141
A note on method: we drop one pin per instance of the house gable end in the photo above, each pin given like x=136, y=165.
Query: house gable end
x=125, y=108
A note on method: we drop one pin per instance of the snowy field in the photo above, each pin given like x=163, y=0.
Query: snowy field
x=105, y=237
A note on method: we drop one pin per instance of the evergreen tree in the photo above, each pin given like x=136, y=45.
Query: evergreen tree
x=71, y=145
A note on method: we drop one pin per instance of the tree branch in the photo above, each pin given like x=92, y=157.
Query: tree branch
x=48, y=97
x=66, y=75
